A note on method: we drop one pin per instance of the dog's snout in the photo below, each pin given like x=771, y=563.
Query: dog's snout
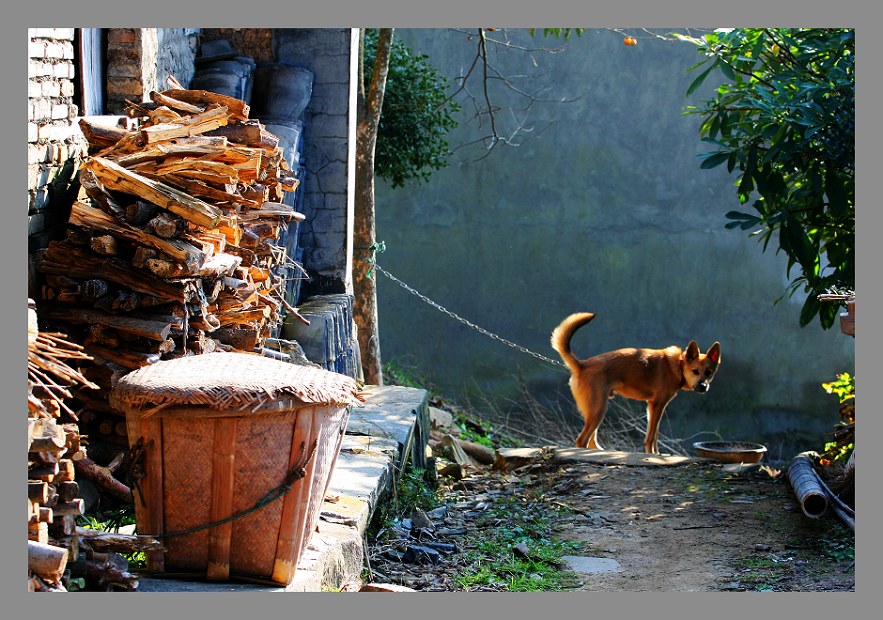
x=701, y=387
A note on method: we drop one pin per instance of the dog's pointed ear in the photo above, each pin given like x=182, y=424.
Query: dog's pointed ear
x=692, y=351
x=714, y=353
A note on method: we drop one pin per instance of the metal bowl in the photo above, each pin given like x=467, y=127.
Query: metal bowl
x=730, y=451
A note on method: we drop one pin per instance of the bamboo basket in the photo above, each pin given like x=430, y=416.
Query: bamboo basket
x=238, y=451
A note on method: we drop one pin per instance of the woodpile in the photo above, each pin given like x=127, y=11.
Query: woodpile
x=55, y=450
x=173, y=248
x=173, y=244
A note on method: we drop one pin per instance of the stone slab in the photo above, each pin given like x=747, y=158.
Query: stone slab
x=590, y=565
x=601, y=457
x=398, y=413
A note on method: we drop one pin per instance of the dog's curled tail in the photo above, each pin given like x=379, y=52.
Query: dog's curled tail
x=562, y=335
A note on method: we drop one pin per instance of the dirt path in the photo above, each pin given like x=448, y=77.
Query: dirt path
x=700, y=528
x=663, y=527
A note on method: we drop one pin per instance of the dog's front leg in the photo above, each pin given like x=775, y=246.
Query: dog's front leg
x=655, y=409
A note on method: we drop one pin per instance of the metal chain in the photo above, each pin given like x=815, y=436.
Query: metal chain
x=465, y=322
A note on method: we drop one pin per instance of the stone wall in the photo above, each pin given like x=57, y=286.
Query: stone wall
x=329, y=156
x=328, y=140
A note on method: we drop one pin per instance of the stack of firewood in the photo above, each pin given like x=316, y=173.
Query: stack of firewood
x=173, y=245
x=55, y=453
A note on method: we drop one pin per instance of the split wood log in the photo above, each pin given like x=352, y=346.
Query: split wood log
x=63, y=258
x=143, y=328
x=179, y=147
x=38, y=491
x=186, y=126
x=115, y=177
x=238, y=109
x=47, y=561
x=250, y=133
x=175, y=104
x=105, y=571
x=46, y=436
x=101, y=476
x=101, y=136
x=450, y=448
x=89, y=217
x=106, y=245
x=219, y=265
x=72, y=508
x=132, y=360
x=166, y=225
x=67, y=490
x=65, y=471
x=118, y=543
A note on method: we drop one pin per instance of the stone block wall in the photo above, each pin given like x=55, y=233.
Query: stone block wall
x=329, y=123
x=55, y=144
x=329, y=151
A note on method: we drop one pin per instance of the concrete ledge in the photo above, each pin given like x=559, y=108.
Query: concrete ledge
x=384, y=434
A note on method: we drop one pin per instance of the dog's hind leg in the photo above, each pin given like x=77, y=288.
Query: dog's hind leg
x=593, y=407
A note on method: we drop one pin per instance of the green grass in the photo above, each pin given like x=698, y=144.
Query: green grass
x=492, y=562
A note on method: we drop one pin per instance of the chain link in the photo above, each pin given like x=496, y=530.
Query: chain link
x=465, y=322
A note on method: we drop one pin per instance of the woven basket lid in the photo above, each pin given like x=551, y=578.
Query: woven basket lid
x=226, y=381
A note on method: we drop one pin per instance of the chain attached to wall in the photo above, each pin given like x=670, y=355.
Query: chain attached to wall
x=465, y=322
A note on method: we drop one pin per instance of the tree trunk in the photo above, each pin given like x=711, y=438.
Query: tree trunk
x=370, y=104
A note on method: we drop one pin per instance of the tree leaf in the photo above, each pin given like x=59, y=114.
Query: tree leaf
x=713, y=159
x=699, y=80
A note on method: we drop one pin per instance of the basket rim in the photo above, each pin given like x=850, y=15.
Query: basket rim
x=231, y=380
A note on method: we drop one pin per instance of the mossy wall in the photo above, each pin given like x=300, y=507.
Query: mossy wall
x=602, y=208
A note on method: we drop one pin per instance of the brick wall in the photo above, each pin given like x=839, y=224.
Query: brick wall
x=55, y=144
x=140, y=59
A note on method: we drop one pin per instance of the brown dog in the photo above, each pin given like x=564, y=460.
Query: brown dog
x=651, y=375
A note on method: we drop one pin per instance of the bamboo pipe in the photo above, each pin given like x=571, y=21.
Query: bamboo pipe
x=812, y=497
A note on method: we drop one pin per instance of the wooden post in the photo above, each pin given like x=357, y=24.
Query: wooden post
x=223, y=476
x=291, y=531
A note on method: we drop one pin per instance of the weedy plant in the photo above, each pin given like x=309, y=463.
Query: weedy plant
x=516, y=551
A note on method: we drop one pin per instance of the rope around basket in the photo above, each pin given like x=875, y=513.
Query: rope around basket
x=297, y=472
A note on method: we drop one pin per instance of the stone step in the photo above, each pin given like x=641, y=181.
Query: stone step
x=384, y=434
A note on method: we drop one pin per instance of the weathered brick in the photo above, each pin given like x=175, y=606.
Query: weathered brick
x=38, y=49
x=38, y=68
x=64, y=70
x=42, y=107
x=55, y=49
x=121, y=35
x=35, y=88
x=33, y=175
x=52, y=33
x=37, y=154
x=33, y=132
x=60, y=111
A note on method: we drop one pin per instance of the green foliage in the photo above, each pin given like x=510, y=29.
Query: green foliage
x=416, y=117
x=558, y=32
x=413, y=492
x=785, y=120
x=841, y=448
